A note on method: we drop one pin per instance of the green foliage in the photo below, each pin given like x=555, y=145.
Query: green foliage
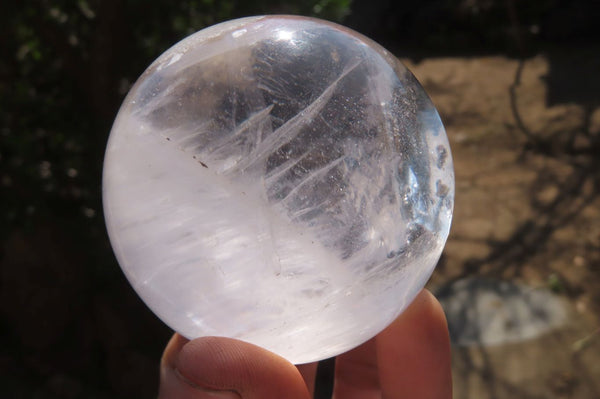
x=555, y=283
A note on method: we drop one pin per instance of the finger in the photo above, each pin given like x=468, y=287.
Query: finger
x=212, y=367
x=356, y=373
x=173, y=348
x=173, y=384
x=309, y=373
x=413, y=353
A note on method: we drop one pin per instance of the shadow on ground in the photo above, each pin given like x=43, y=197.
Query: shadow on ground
x=525, y=138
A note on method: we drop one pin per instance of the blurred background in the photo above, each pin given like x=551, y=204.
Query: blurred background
x=516, y=84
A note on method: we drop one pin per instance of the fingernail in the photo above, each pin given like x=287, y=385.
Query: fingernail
x=207, y=392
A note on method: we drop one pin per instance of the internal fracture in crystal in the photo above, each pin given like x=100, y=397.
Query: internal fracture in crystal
x=279, y=180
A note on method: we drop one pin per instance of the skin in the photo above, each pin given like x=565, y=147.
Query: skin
x=409, y=359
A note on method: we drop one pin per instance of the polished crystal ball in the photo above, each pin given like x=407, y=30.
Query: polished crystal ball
x=280, y=180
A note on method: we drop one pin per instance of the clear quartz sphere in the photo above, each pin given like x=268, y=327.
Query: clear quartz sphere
x=280, y=180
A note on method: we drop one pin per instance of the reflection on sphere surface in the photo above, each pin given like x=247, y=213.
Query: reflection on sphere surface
x=279, y=180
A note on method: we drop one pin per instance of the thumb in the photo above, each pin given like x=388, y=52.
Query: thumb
x=214, y=367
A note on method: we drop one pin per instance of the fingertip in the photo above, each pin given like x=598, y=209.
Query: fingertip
x=172, y=349
x=414, y=352
x=213, y=362
x=226, y=365
x=426, y=307
x=424, y=319
x=174, y=384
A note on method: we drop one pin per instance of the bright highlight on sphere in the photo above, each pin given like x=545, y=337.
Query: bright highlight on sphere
x=280, y=180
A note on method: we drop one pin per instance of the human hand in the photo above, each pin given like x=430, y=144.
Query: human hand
x=409, y=359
